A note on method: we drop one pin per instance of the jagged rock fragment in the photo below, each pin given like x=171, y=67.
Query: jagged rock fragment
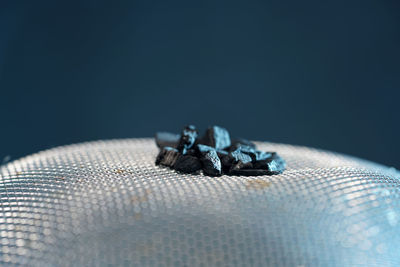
x=226, y=160
x=167, y=156
x=261, y=155
x=238, y=155
x=211, y=163
x=204, y=149
x=217, y=137
x=240, y=165
x=188, y=138
x=187, y=164
x=274, y=165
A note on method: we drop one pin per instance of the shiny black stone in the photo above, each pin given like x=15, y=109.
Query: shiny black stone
x=164, y=139
x=211, y=163
x=252, y=152
x=204, y=149
x=222, y=152
x=187, y=164
x=217, y=137
x=261, y=155
x=167, y=156
x=274, y=164
x=249, y=151
x=255, y=154
x=240, y=165
x=191, y=152
x=188, y=138
x=226, y=160
x=233, y=147
x=239, y=155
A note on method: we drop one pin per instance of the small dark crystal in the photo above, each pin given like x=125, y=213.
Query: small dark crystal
x=167, y=156
x=187, y=164
x=188, y=137
x=233, y=147
x=255, y=154
x=191, y=152
x=238, y=155
x=240, y=165
x=222, y=152
x=226, y=160
x=164, y=139
x=261, y=155
x=211, y=163
x=204, y=149
x=274, y=164
x=249, y=151
x=217, y=137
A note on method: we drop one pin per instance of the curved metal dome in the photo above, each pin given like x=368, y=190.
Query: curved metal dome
x=106, y=202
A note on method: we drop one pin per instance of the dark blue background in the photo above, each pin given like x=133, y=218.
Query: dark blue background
x=316, y=73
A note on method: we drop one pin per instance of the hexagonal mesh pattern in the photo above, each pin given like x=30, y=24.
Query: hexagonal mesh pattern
x=106, y=202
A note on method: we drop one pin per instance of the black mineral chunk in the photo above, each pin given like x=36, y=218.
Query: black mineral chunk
x=226, y=160
x=187, y=164
x=261, y=155
x=249, y=151
x=217, y=137
x=167, y=156
x=239, y=155
x=223, y=155
x=164, y=139
x=191, y=152
x=211, y=163
x=240, y=165
x=222, y=152
x=274, y=164
x=188, y=138
x=255, y=154
x=277, y=165
x=204, y=149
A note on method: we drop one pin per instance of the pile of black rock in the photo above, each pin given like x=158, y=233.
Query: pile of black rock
x=215, y=153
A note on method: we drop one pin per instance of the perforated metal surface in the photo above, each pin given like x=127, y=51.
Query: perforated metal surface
x=106, y=202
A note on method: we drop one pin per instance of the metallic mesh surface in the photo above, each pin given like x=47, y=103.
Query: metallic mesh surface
x=106, y=203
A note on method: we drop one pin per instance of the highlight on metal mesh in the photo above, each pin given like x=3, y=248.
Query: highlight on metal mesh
x=105, y=202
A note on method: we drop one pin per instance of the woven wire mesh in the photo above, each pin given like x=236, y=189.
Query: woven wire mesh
x=106, y=203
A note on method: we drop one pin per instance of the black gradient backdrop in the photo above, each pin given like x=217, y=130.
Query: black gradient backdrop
x=324, y=74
